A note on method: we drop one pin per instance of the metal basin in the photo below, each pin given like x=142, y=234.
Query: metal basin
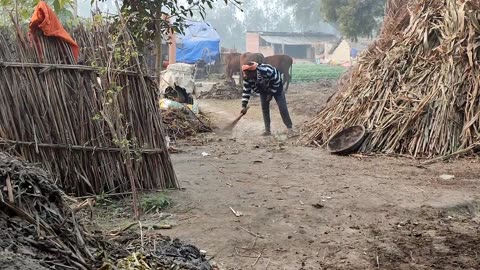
x=347, y=141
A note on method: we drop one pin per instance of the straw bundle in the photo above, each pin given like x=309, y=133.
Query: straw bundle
x=96, y=127
x=420, y=94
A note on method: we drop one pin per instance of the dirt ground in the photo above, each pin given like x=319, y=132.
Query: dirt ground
x=302, y=208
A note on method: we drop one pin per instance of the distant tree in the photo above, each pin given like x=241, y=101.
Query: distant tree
x=152, y=20
x=353, y=18
x=228, y=26
x=307, y=16
x=305, y=12
x=24, y=8
x=232, y=24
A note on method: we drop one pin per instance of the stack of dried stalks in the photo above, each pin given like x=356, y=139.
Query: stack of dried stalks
x=96, y=127
x=38, y=226
x=36, y=222
x=417, y=89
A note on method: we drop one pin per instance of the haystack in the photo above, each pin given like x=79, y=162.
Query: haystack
x=416, y=90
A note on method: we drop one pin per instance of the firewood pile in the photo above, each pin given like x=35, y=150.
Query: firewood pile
x=39, y=230
x=416, y=90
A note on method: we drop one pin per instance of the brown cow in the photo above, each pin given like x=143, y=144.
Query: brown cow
x=232, y=65
x=250, y=57
x=284, y=64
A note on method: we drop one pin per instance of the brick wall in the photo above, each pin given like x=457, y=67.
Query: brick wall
x=253, y=42
x=266, y=51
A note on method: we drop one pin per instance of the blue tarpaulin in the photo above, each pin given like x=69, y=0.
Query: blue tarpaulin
x=354, y=53
x=199, y=42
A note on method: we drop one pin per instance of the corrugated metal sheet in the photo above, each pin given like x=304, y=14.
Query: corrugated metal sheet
x=297, y=40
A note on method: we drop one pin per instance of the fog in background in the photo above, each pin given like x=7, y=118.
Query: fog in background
x=279, y=16
x=231, y=23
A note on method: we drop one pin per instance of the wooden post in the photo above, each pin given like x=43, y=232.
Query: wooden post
x=172, y=48
x=325, y=52
x=158, y=46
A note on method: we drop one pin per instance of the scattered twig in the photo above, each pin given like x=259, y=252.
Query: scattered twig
x=219, y=170
x=11, y=199
x=258, y=258
x=251, y=233
x=141, y=236
x=459, y=152
x=254, y=242
x=268, y=263
x=117, y=232
x=236, y=213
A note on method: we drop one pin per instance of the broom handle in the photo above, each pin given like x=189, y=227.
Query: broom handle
x=241, y=115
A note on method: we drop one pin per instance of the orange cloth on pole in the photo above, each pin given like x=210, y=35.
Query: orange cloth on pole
x=44, y=18
x=252, y=67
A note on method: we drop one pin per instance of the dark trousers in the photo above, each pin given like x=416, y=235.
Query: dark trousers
x=282, y=107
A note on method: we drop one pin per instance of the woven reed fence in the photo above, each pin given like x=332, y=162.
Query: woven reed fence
x=95, y=126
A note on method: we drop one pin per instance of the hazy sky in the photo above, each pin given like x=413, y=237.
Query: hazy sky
x=84, y=7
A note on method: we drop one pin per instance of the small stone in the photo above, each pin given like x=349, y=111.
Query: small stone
x=447, y=177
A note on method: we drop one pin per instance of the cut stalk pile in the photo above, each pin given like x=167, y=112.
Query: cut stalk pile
x=39, y=228
x=183, y=123
x=416, y=90
x=95, y=126
x=36, y=222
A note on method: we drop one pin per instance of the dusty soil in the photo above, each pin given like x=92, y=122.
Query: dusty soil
x=303, y=208
x=13, y=261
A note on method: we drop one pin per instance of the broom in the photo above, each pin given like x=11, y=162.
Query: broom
x=230, y=126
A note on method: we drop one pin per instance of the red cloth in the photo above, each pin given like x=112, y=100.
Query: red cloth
x=251, y=67
x=44, y=18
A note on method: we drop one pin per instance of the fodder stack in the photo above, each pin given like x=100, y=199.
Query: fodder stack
x=416, y=90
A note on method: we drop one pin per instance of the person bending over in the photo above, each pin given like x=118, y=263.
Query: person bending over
x=265, y=80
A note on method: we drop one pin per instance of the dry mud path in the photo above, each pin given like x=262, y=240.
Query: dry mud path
x=303, y=208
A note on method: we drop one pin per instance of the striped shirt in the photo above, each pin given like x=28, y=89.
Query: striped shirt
x=268, y=81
